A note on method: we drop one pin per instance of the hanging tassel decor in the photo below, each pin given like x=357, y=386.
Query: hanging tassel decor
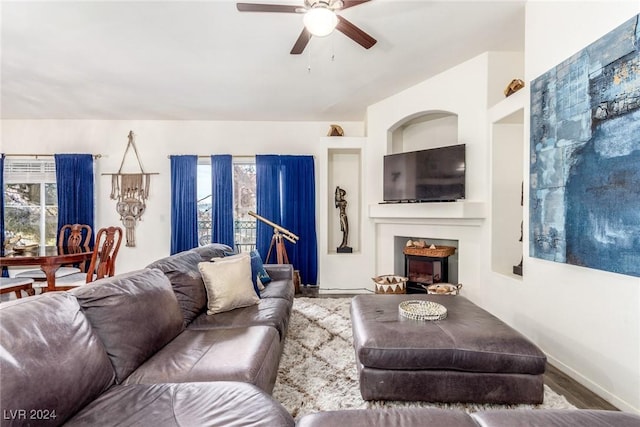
x=131, y=190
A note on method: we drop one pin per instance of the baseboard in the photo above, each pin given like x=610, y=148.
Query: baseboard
x=330, y=290
x=606, y=395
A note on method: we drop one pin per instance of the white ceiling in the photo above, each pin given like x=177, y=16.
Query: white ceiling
x=206, y=61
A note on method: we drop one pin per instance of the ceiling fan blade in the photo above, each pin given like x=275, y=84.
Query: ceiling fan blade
x=302, y=42
x=351, y=3
x=355, y=33
x=259, y=7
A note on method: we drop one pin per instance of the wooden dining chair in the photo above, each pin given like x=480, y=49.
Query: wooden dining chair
x=70, y=235
x=103, y=260
x=74, y=235
x=17, y=285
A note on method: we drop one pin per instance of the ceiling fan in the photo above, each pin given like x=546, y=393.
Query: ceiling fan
x=320, y=19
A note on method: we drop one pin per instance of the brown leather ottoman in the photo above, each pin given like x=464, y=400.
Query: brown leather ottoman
x=471, y=356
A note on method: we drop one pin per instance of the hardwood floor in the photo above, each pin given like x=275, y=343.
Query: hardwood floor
x=577, y=394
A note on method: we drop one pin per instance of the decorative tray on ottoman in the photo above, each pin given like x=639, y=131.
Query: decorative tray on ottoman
x=422, y=310
x=390, y=284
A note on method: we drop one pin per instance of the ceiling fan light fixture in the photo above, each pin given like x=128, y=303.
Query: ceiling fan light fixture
x=320, y=21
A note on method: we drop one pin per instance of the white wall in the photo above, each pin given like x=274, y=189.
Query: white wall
x=506, y=185
x=429, y=133
x=155, y=141
x=461, y=91
x=588, y=321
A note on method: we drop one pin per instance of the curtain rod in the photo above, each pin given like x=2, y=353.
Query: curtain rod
x=95, y=156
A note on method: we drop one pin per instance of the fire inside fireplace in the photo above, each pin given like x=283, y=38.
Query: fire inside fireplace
x=422, y=270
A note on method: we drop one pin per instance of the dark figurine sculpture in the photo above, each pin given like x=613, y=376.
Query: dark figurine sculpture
x=517, y=269
x=341, y=204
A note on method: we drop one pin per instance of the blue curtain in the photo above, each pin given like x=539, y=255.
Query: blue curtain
x=299, y=213
x=222, y=200
x=267, y=200
x=184, y=209
x=74, y=181
x=286, y=195
x=5, y=273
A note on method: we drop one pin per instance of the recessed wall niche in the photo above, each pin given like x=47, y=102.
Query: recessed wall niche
x=506, y=192
x=344, y=170
x=424, y=130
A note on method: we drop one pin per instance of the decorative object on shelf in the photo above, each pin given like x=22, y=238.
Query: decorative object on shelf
x=130, y=190
x=341, y=204
x=443, y=289
x=419, y=248
x=517, y=269
x=390, y=284
x=584, y=162
x=335, y=130
x=422, y=310
x=513, y=87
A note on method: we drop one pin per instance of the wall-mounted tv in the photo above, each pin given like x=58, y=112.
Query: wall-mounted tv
x=433, y=175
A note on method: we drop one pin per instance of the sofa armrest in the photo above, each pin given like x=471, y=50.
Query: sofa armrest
x=279, y=271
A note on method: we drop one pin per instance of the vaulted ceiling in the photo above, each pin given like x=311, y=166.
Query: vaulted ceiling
x=205, y=60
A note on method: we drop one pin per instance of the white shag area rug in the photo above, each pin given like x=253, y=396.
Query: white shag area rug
x=318, y=371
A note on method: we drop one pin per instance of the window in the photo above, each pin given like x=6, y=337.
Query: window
x=244, y=200
x=31, y=201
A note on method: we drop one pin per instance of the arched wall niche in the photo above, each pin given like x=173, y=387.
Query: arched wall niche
x=425, y=129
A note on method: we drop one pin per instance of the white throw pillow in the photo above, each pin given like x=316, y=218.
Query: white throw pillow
x=228, y=284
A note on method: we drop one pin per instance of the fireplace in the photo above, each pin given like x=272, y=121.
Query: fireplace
x=425, y=270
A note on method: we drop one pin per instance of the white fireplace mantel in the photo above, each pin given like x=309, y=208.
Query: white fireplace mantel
x=463, y=212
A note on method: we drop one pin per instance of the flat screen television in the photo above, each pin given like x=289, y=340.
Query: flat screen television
x=433, y=175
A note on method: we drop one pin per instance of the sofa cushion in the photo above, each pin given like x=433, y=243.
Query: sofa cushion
x=260, y=275
x=556, y=418
x=228, y=284
x=186, y=280
x=279, y=289
x=221, y=403
x=135, y=314
x=50, y=358
x=211, y=250
x=280, y=271
x=249, y=355
x=434, y=417
x=397, y=417
x=257, y=284
x=274, y=312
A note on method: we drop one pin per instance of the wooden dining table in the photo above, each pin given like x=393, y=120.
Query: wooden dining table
x=49, y=258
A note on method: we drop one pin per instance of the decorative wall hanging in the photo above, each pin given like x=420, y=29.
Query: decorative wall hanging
x=585, y=156
x=130, y=190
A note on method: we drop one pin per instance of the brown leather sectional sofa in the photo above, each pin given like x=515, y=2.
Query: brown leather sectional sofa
x=138, y=349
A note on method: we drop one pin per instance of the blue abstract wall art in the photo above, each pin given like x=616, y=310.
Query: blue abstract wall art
x=584, y=198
